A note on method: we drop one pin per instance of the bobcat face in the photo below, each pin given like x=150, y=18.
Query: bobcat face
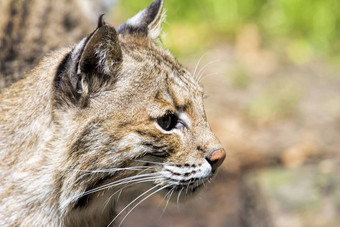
x=132, y=117
x=170, y=129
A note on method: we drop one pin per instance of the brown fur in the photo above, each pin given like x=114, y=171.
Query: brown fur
x=31, y=28
x=84, y=116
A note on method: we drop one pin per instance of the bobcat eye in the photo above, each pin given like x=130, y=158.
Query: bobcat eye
x=168, y=121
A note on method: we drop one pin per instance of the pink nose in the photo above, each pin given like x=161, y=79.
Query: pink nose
x=216, y=158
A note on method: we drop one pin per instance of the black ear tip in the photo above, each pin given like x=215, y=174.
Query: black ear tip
x=157, y=4
x=101, y=21
x=154, y=10
x=145, y=20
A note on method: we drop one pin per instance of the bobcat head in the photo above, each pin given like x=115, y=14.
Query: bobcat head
x=131, y=116
x=127, y=122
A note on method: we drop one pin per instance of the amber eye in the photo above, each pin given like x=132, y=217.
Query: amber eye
x=168, y=121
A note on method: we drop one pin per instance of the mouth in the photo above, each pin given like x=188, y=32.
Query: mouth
x=186, y=187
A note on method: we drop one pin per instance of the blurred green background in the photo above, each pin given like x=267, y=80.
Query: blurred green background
x=300, y=29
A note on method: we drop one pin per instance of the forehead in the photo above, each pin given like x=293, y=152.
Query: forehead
x=180, y=93
x=183, y=88
x=160, y=75
x=152, y=59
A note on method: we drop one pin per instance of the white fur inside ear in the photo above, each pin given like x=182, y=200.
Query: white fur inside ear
x=77, y=49
x=102, y=55
x=155, y=27
x=104, y=63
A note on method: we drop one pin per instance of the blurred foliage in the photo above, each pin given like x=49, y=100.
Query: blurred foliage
x=279, y=99
x=301, y=28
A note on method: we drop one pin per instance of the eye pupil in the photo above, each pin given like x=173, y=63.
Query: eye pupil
x=167, y=122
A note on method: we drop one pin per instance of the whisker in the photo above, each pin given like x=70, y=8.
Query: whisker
x=199, y=61
x=141, y=195
x=141, y=202
x=169, y=197
x=204, y=67
x=109, y=199
x=165, y=197
x=186, y=192
x=109, y=170
x=120, y=190
x=132, y=179
x=145, y=161
x=210, y=74
x=179, y=194
x=203, y=182
x=113, y=170
x=114, y=184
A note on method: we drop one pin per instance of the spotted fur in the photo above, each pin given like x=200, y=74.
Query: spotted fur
x=82, y=133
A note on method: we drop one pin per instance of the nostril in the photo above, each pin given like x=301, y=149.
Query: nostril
x=216, y=158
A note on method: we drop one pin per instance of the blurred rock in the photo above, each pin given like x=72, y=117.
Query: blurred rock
x=305, y=196
x=297, y=154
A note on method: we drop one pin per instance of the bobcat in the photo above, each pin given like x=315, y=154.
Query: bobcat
x=111, y=121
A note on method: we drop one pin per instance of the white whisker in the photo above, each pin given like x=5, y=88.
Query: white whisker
x=114, y=184
x=111, y=170
x=204, y=67
x=157, y=163
x=210, y=74
x=169, y=197
x=141, y=195
x=166, y=195
x=129, y=184
x=132, y=179
x=186, y=192
x=141, y=202
x=199, y=60
x=179, y=194
x=109, y=199
x=203, y=182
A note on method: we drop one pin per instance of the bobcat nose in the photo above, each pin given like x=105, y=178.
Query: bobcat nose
x=216, y=158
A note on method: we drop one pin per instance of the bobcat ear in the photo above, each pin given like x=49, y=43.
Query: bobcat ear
x=100, y=51
x=145, y=23
x=93, y=63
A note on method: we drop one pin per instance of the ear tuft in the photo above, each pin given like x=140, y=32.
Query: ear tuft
x=146, y=23
x=101, y=21
x=102, y=51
